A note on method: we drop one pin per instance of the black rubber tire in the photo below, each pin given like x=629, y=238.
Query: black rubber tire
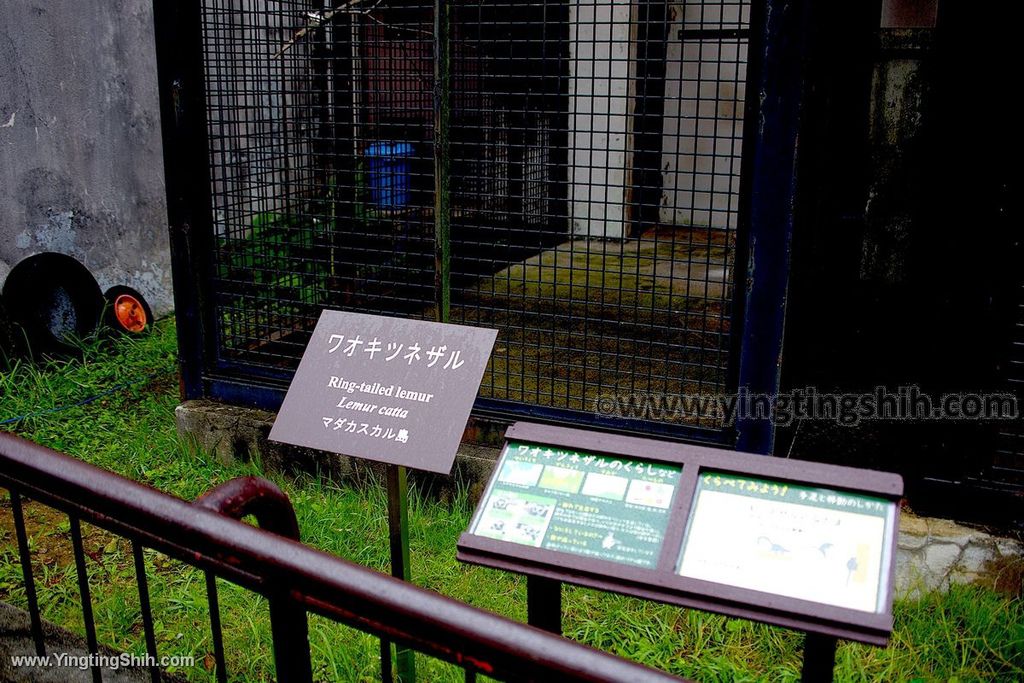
x=53, y=297
x=12, y=339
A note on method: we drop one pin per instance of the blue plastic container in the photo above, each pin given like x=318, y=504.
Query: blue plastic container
x=389, y=173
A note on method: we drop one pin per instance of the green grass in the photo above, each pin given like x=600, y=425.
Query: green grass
x=968, y=634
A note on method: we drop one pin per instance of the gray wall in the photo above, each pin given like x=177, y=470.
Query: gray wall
x=80, y=155
x=705, y=88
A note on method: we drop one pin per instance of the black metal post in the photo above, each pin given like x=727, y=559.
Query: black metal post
x=146, y=609
x=544, y=603
x=774, y=106
x=215, y=628
x=178, y=31
x=398, y=533
x=442, y=191
x=819, y=658
x=26, y=571
x=83, y=591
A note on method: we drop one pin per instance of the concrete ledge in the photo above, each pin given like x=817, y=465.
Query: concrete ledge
x=234, y=433
x=932, y=553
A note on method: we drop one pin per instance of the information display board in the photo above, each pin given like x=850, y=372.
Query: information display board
x=797, y=544
x=387, y=389
x=573, y=501
x=803, y=542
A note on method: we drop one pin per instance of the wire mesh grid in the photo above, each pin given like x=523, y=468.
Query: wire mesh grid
x=593, y=154
x=1008, y=461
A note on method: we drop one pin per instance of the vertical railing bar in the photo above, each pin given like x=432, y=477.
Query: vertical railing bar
x=442, y=188
x=387, y=674
x=26, y=571
x=290, y=631
x=83, y=590
x=215, y=630
x=146, y=610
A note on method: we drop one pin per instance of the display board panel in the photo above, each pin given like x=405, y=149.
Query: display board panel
x=574, y=501
x=797, y=544
x=818, y=544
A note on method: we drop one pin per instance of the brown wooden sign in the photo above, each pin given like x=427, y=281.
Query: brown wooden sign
x=796, y=544
x=393, y=390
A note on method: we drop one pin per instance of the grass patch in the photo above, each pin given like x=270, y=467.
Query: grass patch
x=968, y=634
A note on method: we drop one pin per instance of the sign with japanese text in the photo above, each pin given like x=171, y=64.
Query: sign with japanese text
x=823, y=545
x=387, y=389
x=599, y=506
x=796, y=544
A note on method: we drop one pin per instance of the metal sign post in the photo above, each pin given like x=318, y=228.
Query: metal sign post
x=392, y=390
x=398, y=536
x=544, y=603
x=819, y=658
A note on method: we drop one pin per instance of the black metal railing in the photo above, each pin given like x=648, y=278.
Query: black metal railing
x=295, y=579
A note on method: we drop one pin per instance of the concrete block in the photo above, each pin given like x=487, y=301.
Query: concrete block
x=975, y=557
x=907, y=541
x=913, y=525
x=940, y=558
x=1009, y=548
x=234, y=433
x=948, y=531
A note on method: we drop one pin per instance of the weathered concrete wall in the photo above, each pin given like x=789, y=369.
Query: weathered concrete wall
x=705, y=82
x=81, y=168
x=602, y=70
x=705, y=88
x=263, y=115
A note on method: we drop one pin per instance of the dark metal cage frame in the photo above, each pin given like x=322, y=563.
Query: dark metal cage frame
x=568, y=173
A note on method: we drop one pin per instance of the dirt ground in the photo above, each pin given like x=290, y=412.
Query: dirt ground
x=588, y=317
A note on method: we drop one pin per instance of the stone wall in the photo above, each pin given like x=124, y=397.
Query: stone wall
x=934, y=553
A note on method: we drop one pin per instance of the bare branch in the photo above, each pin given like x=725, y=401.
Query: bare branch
x=318, y=19
x=410, y=29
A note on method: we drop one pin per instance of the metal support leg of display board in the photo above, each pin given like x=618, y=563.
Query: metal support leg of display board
x=819, y=658
x=544, y=603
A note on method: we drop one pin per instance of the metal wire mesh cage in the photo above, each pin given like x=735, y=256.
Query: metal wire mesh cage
x=587, y=198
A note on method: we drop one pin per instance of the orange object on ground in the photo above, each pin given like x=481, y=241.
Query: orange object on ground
x=130, y=313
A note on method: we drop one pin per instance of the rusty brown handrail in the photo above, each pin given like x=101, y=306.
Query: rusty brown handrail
x=283, y=569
